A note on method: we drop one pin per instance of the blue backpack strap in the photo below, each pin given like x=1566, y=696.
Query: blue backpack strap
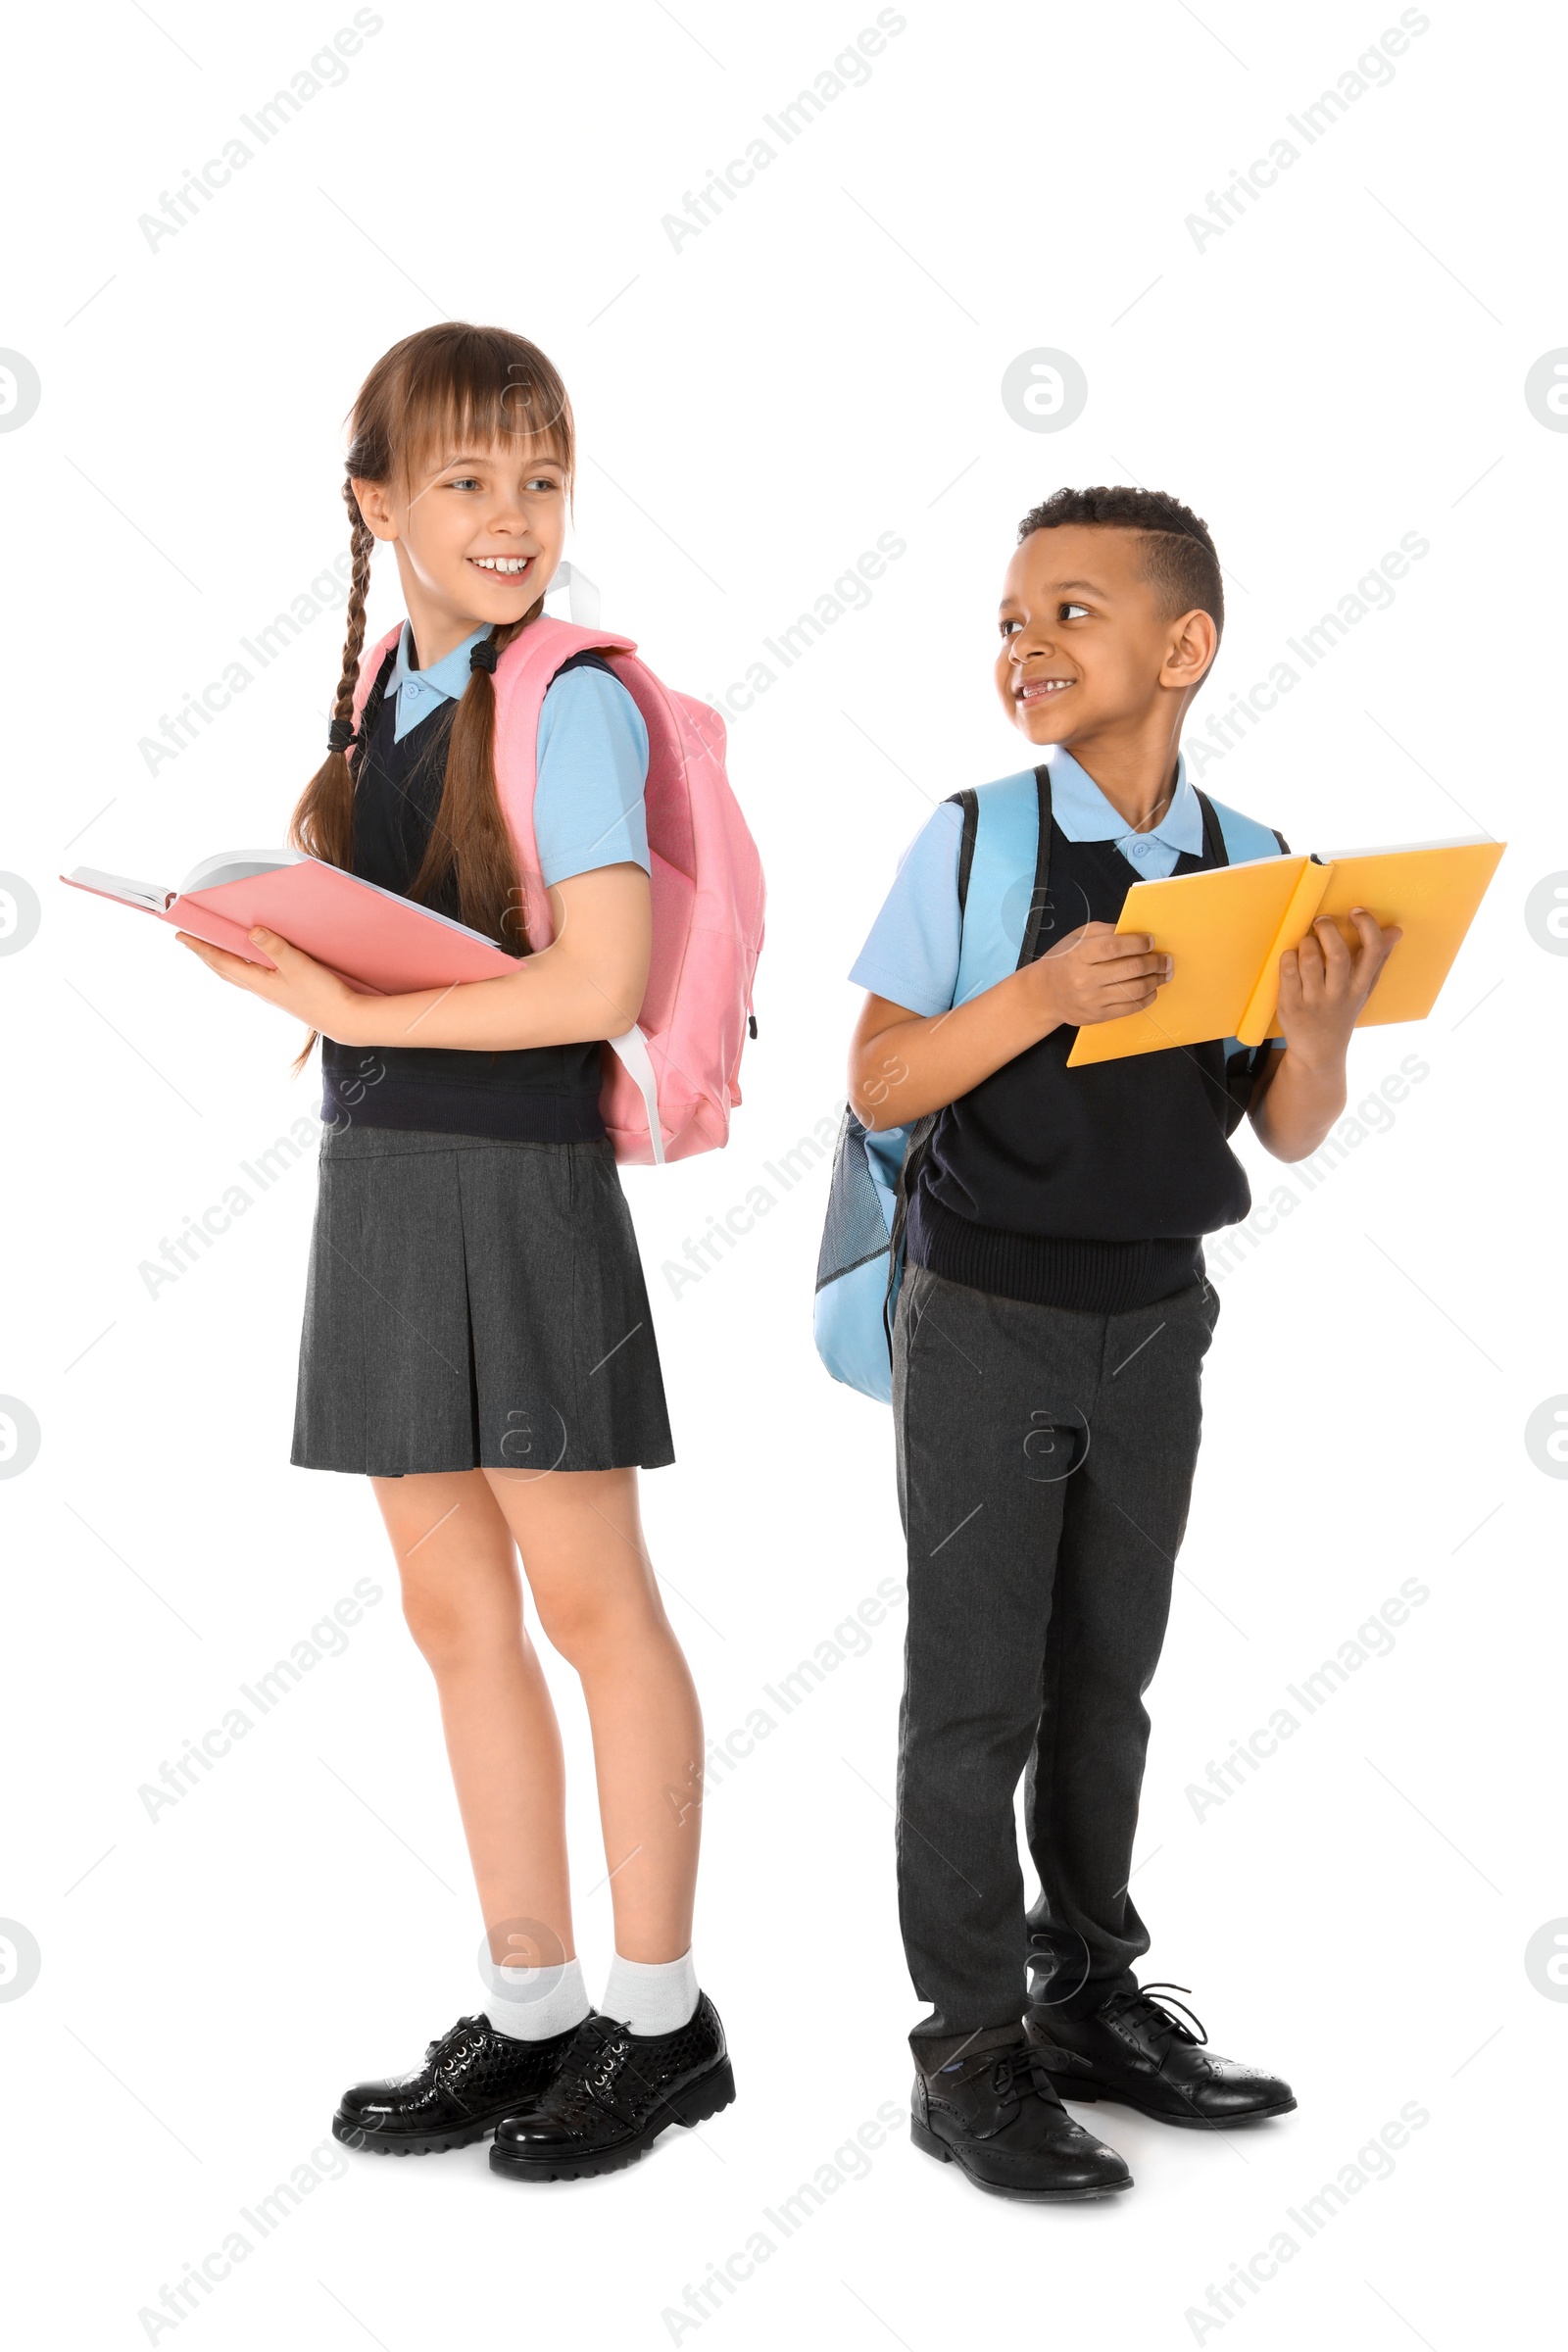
x=967, y=803
x=1243, y=837
x=1004, y=866
x=1005, y=898
x=1002, y=875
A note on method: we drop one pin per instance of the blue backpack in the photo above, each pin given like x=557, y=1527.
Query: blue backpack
x=1003, y=880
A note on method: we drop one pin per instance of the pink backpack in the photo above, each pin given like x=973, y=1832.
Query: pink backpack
x=671, y=1081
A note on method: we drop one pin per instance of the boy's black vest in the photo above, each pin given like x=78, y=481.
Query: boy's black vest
x=1086, y=1189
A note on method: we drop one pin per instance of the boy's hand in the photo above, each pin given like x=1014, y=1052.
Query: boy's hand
x=1097, y=974
x=1323, y=986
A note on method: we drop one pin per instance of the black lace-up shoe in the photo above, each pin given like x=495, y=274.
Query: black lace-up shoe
x=614, y=2094
x=1135, y=2050
x=470, y=2079
x=996, y=2115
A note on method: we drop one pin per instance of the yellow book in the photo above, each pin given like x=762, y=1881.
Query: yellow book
x=1227, y=929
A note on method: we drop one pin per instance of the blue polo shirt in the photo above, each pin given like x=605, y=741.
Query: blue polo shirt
x=911, y=956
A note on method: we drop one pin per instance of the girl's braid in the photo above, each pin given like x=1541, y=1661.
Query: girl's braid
x=362, y=545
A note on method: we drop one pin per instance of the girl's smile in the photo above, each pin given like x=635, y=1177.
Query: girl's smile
x=455, y=576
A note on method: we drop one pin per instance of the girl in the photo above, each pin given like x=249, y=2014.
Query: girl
x=477, y=1337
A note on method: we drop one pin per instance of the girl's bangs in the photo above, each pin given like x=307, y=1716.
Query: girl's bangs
x=461, y=401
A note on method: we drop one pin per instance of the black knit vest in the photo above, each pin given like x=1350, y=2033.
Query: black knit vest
x=1088, y=1187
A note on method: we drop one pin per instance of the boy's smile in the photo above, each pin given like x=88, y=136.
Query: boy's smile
x=1085, y=641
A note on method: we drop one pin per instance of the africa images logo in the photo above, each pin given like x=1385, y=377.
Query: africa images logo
x=20, y=390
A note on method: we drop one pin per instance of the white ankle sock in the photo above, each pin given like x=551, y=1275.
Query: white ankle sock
x=531, y=2004
x=651, y=1997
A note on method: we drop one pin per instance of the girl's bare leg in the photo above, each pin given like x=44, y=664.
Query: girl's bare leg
x=582, y=1541
x=462, y=1600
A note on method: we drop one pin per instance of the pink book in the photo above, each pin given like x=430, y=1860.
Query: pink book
x=379, y=943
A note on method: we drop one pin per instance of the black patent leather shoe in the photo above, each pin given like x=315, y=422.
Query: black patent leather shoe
x=470, y=2079
x=614, y=2094
x=1134, y=2049
x=997, y=2116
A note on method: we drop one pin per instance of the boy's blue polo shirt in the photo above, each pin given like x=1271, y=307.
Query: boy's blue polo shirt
x=912, y=954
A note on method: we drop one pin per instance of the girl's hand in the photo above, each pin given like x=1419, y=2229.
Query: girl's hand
x=1323, y=986
x=300, y=985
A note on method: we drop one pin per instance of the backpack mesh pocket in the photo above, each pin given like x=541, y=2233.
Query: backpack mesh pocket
x=855, y=1228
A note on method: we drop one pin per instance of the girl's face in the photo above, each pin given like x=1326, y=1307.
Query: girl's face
x=478, y=541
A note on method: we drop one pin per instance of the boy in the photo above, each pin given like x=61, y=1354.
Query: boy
x=1051, y=1328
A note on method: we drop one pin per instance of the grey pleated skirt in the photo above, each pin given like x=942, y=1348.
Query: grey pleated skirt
x=474, y=1304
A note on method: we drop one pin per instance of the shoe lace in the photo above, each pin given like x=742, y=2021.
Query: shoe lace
x=1009, y=2070
x=588, y=2081
x=450, y=2045
x=1152, y=2006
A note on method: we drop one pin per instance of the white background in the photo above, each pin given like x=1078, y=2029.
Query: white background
x=1342, y=365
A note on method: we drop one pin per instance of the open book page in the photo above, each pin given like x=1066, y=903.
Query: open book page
x=1407, y=849
x=237, y=865
x=229, y=865
x=151, y=895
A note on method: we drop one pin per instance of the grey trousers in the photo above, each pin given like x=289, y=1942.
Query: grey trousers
x=1045, y=1462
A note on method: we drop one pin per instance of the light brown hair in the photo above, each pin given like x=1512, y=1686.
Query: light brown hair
x=445, y=389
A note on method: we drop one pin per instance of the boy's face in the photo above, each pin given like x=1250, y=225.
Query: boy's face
x=1085, y=644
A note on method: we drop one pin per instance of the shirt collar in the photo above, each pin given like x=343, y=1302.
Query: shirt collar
x=1084, y=814
x=417, y=692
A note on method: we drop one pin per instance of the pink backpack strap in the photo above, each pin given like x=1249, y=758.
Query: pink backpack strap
x=369, y=665
x=523, y=677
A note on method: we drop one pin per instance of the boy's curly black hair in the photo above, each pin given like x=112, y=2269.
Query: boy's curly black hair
x=1179, y=558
